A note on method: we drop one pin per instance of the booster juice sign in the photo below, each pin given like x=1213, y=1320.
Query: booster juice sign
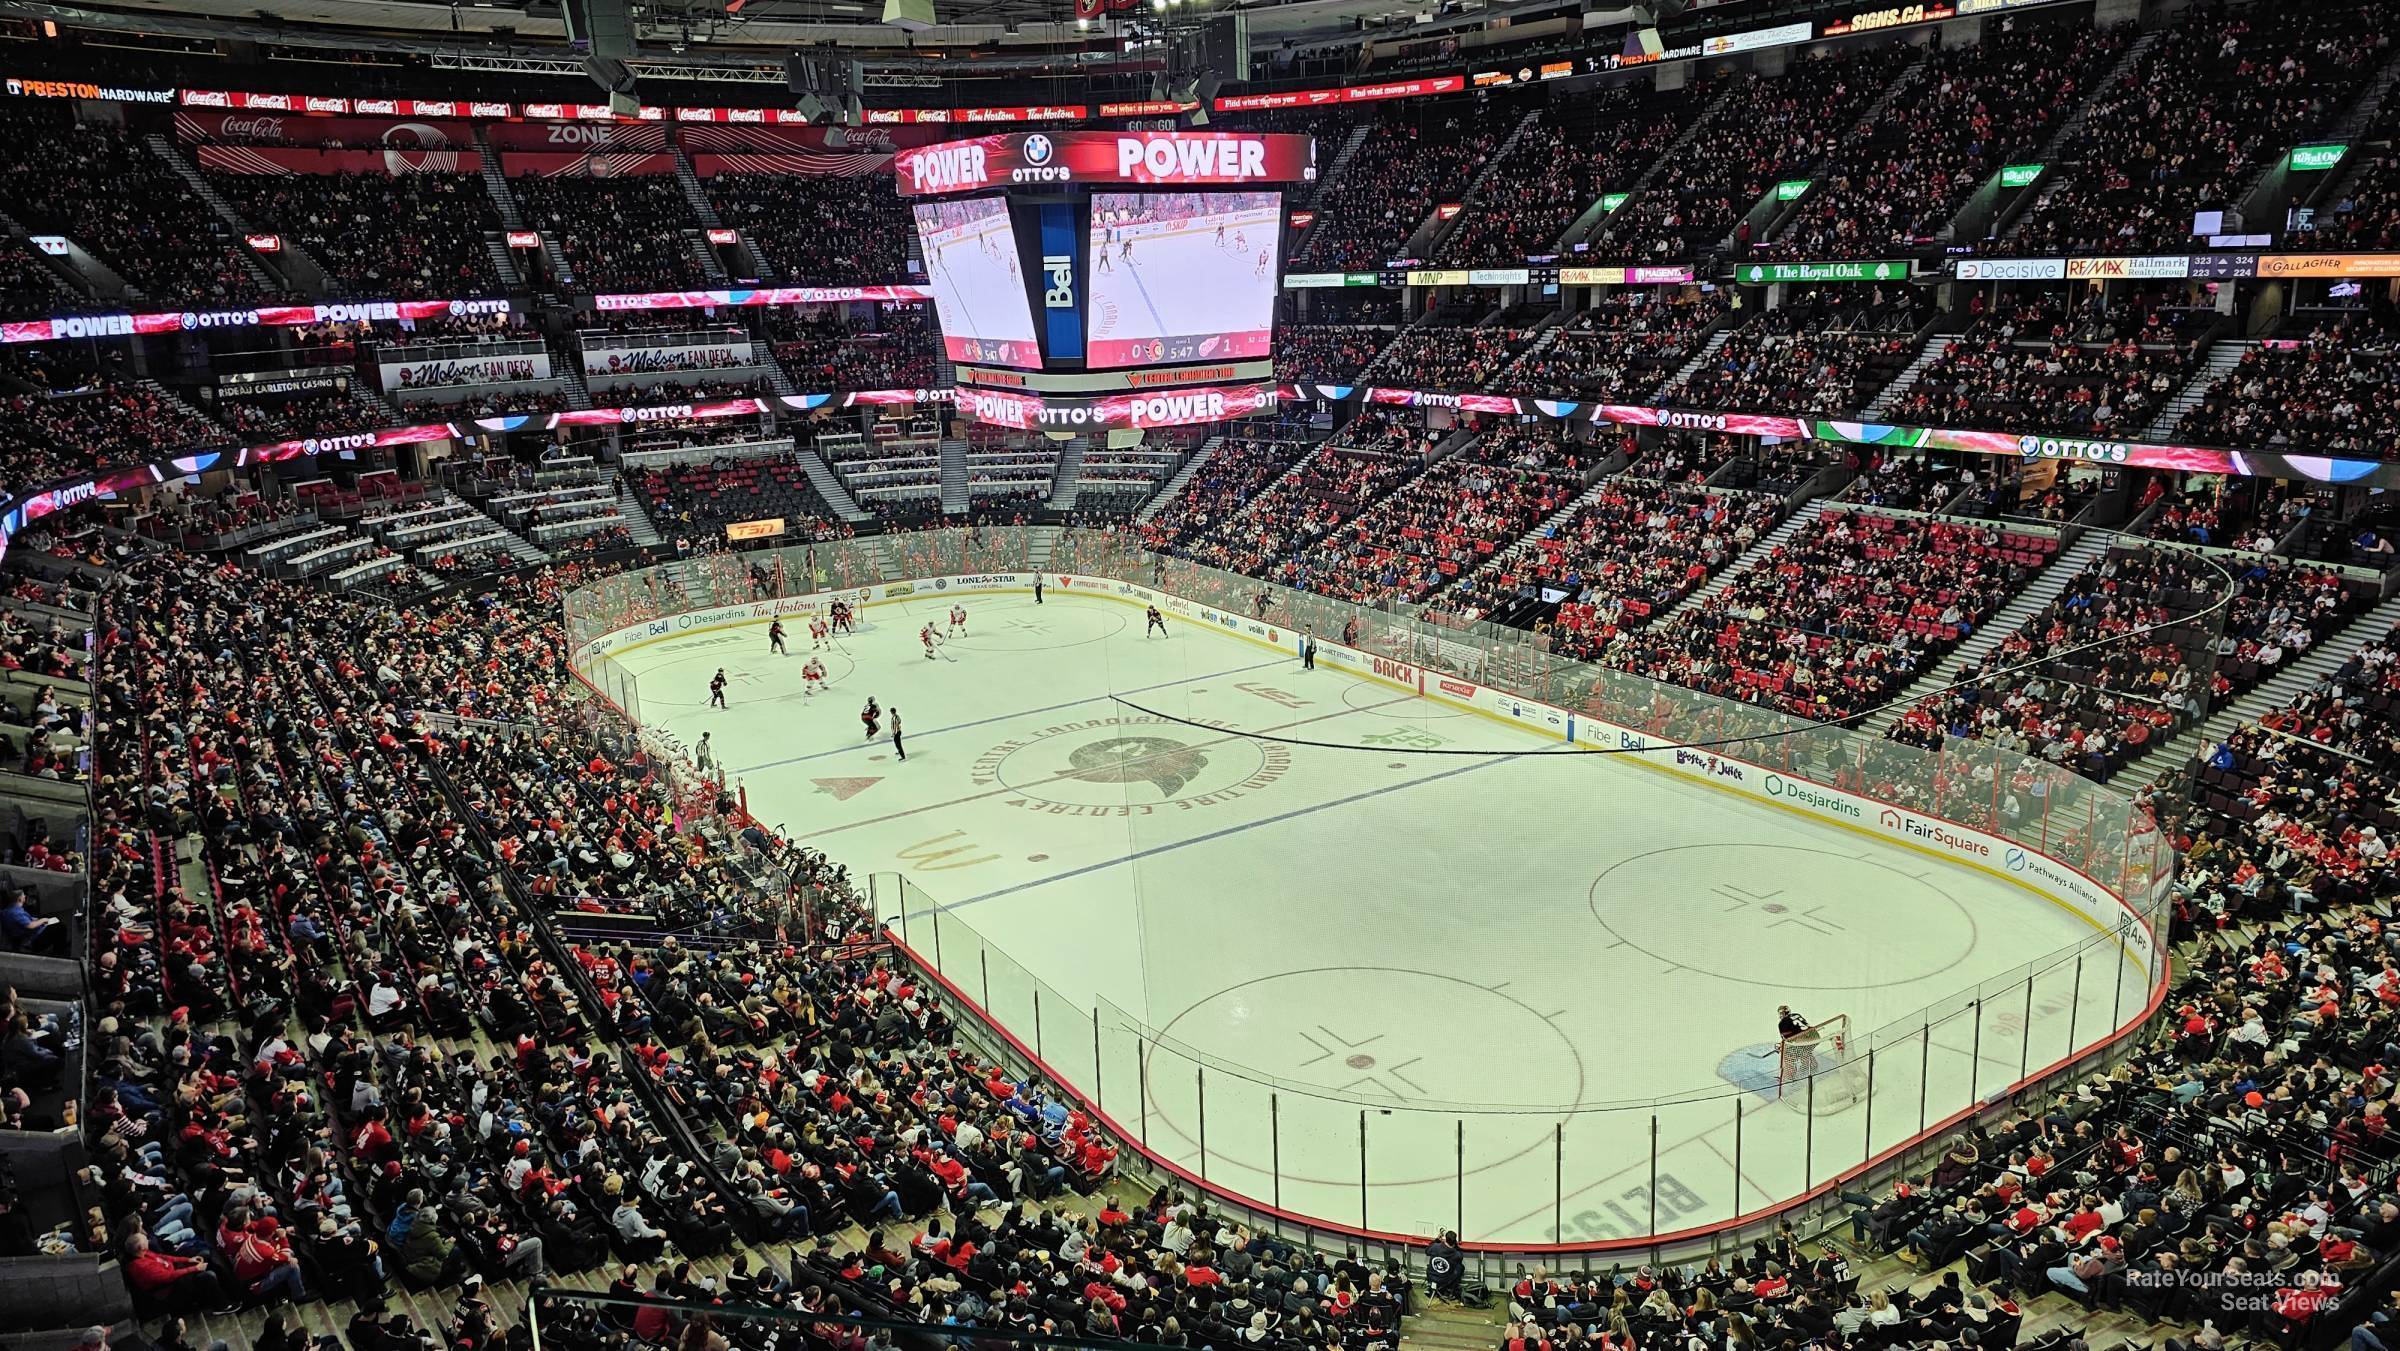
x=1166, y=158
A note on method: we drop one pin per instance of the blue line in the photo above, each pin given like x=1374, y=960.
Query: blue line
x=1147, y=302
x=1498, y=758
x=1022, y=713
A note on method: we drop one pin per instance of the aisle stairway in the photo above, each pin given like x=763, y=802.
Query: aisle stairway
x=1907, y=378
x=1775, y=539
x=2312, y=666
x=829, y=486
x=1175, y=482
x=1065, y=482
x=637, y=519
x=2036, y=596
x=955, y=494
x=2222, y=358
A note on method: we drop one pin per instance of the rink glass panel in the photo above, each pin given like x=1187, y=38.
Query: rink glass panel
x=1515, y=1167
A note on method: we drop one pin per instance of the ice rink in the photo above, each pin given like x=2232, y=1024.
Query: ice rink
x=1536, y=991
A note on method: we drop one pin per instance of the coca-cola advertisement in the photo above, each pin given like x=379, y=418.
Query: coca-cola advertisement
x=263, y=159
x=251, y=127
x=797, y=163
x=745, y=138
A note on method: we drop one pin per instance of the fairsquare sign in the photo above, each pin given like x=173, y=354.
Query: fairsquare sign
x=1183, y=158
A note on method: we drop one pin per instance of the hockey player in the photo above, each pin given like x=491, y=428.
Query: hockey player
x=816, y=634
x=775, y=639
x=716, y=689
x=1157, y=621
x=872, y=717
x=958, y=620
x=812, y=677
x=926, y=634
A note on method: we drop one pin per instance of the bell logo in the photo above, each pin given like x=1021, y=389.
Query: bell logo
x=1191, y=159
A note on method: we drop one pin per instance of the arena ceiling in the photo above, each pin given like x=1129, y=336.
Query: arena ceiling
x=703, y=31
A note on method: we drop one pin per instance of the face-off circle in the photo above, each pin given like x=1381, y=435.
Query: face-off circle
x=1674, y=905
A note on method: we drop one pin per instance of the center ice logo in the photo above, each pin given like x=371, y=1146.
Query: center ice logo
x=1096, y=767
x=1165, y=764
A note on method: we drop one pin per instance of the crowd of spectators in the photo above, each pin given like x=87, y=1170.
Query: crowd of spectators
x=66, y=416
x=28, y=286
x=1837, y=620
x=1763, y=130
x=2140, y=643
x=819, y=230
x=1972, y=109
x=2194, y=120
x=2251, y=515
x=1581, y=150
x=1634, y=550
x=618, y=234
x=2362, y=213
x=1403, y=169
x=822, y=351
x=1335, y=353
x=1367, y=459
x=1445, y=523
x=2001, y=374
x=406, y=236
x=1626, y=345
x=1238, y=471
x=1757, y=369
x=343, y=410
x=1450, y=360
x=2332, y=390
x=98, y=186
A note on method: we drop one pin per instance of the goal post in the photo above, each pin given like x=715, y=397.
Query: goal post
x=1820, y=1069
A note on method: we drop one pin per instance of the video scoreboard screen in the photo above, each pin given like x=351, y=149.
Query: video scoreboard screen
x=1104, y=250
x=1181, y=276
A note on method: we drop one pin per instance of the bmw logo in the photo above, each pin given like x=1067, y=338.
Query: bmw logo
x=1037, y=149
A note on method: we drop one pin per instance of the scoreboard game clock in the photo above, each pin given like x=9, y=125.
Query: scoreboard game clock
x=1106, y=262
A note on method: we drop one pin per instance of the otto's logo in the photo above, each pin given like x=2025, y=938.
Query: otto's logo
x=660, y=414
x=1038, y=149
x=218, y=318
x=1712, y=422
x=319, y=445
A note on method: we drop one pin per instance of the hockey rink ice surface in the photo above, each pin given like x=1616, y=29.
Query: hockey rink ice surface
x=1519, y=972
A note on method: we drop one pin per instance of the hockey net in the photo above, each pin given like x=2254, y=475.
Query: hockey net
x=1821, y=1069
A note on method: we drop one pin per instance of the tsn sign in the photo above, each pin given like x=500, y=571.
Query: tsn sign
x=1058, y=157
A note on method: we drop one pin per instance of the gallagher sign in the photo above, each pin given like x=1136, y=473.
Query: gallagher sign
x=1201, y=159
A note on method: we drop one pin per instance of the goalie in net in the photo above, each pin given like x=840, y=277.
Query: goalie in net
x=1817, y=1068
